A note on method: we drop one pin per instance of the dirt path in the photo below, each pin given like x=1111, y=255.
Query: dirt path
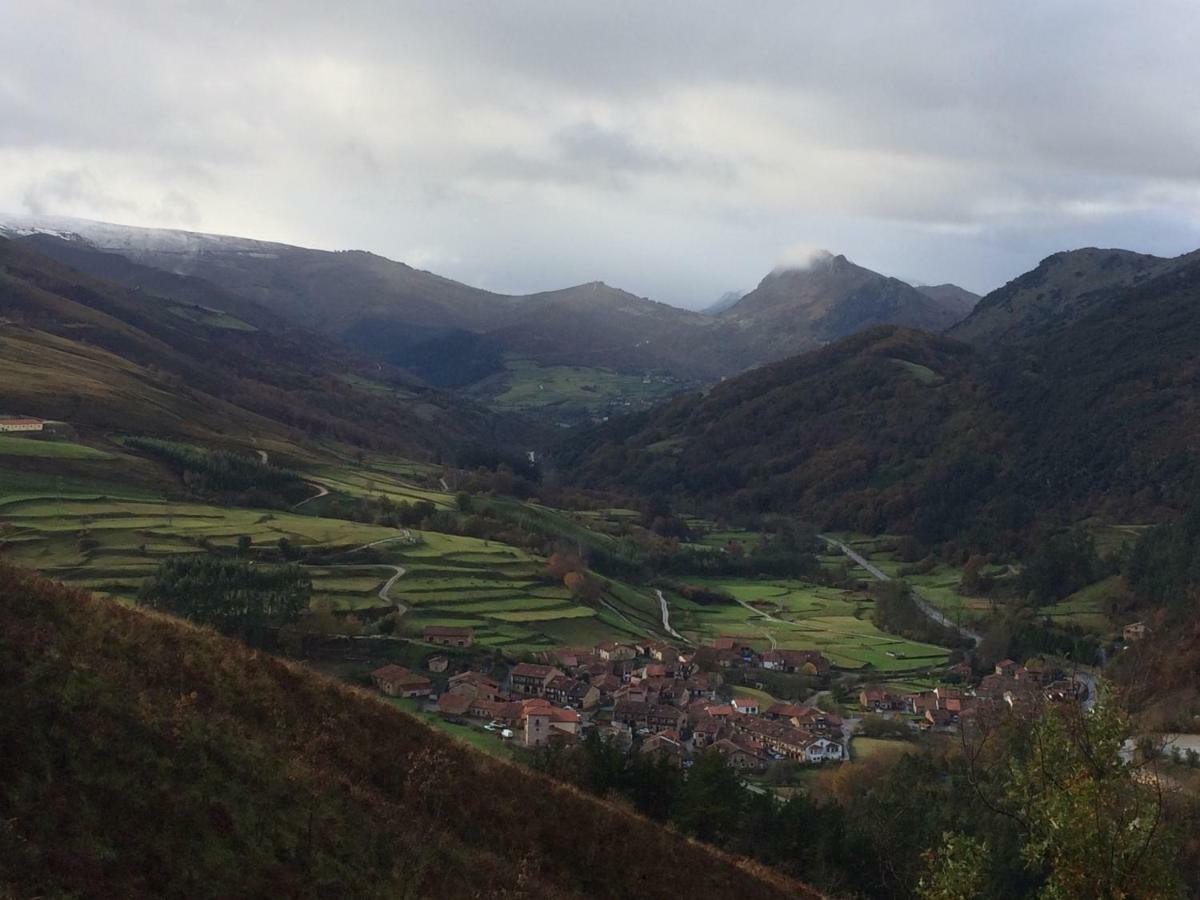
x=322, y=491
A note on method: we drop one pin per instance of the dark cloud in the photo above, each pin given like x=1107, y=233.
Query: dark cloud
x=674, y=148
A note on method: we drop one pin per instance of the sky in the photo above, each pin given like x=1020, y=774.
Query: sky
x=678, y=150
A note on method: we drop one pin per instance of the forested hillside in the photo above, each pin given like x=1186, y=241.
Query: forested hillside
x=900, y=430
x=185, y=765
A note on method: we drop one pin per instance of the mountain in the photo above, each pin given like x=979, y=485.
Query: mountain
x=952, y=295
x=796, y=309
x=898, y=430
x=145, y=757
x=455, y=335
x=397, y=313
x=176, y=355
x=723, y=302
x=1062, y=288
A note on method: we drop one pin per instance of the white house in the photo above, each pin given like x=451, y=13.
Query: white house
x=747, y=706
x=822, y=749
x=21, y=424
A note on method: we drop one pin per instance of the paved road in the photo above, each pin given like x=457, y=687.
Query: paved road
x=880, y=575
x=666, y=616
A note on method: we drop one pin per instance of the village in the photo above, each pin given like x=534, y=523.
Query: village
x=652, y=697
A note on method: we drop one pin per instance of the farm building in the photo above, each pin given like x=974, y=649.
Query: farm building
x=449, y=635
x=10, y=423
x=397, y=681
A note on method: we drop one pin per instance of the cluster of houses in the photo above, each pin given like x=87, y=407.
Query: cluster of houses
x=731, y=651
x=648, y=694
x=1012, y=684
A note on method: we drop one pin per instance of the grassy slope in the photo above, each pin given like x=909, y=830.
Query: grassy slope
x=147, y=758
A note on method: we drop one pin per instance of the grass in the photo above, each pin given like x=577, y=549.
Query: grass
x=802, y=616
x=864, y=748
x=11, y=445
x=572, y=393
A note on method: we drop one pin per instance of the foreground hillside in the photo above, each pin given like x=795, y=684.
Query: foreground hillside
x=147, y=758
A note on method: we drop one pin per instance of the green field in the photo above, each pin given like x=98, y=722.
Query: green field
x=572, y=393
x=13, y=445
x=864, y=748
x=797, y=615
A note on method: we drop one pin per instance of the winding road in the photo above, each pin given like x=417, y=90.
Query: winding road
x=935, y=614
x=322, y=491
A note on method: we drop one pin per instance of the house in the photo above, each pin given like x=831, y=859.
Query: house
x=536, y=725
x=563, y=691
x=706, y=731
x=611, y=651
x=660, y=716
x=490, y=709
x=823, y=750
x=746, y=706
x=454, y=704
x=875, y=699
x=630, y=712
x=939, y=718
x=665, y=745
x=437, y=663
x=475, y=685
x=397, y=681
x=806, y=662
x=1007, y=667
x=449, y=635
x=530, y=679
x=20, y=424
x=742, y=755
x=1135, y=631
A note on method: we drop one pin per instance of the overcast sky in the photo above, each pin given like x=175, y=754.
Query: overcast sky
x=678, y=150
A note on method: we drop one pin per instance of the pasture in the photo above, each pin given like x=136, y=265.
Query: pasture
x=797, y=615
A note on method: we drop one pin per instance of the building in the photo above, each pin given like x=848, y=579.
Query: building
x=875, y=699
x=805, y=662
x=397, y=681
x=449, y=635
x=746, y=706
x=530, y=679
x=12, y=423
x=437, y=663
x=743, y=754
x=823, y=750
x=564, y=691
x=1135, y=632
x=612, y=651
x=452, y=705
x=475, y=685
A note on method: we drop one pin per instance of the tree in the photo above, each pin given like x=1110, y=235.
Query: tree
x=1091, y=822
x=229, y=594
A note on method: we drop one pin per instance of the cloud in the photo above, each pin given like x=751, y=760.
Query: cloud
x=801, y=256
x=670, y=148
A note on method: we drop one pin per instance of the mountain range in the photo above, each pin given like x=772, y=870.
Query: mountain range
x=409, y=317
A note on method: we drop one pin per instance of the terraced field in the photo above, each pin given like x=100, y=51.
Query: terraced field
x=501, y=592
x=111, y=544
x=792, y=614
